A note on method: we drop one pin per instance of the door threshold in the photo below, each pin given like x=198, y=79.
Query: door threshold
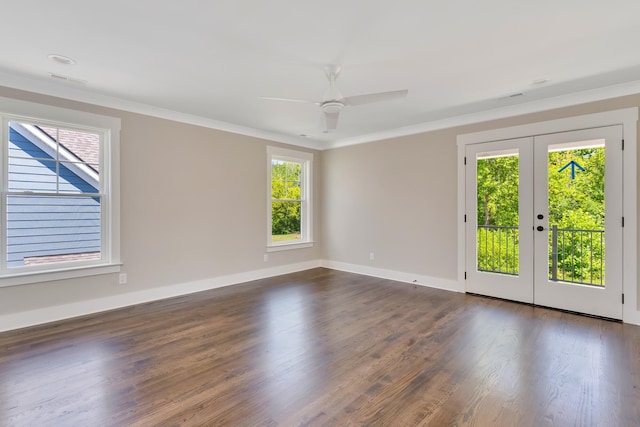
x=593, y=316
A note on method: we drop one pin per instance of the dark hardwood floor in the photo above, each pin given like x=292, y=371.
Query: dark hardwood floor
x=323, y=348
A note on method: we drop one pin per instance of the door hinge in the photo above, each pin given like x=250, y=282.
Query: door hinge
x=465, y=275
x=623, y=221
x=465, y=217
x=623, y=298
x=623, y=145
x=465, y=160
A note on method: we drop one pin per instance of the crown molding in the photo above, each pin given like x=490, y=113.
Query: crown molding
x=71, y=92
x=545, y=104
x=68, y=91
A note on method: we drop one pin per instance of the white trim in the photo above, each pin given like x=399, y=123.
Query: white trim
x=289, y=246
x=398, y=276
x=24, y=278
x=306, y=195
x=631, y=308
x=546, y=104
x=587, y=121
x=78, y=94
x=67, y=311
x=73, y=118
x=81, y=308
x=109, y=130
x=628, y=118
x=462, y=201
x=288, y=154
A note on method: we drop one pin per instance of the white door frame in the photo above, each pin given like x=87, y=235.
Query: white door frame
x=628, y=118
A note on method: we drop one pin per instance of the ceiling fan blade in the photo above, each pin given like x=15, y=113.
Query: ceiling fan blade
x=374, y=97
x=332, y=120
x=300, y=101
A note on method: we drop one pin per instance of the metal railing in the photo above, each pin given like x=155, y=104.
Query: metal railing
x=498, y=249
x=575, y=256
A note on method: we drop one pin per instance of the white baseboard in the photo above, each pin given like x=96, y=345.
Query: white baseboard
x=399, y=276
x=81, y=308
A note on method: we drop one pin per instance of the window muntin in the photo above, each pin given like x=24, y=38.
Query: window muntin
x=289, y=202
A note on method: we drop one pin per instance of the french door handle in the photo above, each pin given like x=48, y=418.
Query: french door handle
x=540, y=228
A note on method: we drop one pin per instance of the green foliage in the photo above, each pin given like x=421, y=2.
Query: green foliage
x=285, y=196
x=574, y=204
x=498, y=191
x=577, y=203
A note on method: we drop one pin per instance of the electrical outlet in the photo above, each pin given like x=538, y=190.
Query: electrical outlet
x=372, y=256
x=122, y=279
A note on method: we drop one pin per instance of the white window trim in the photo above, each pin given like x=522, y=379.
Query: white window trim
x=109, y=127
x=306, y=214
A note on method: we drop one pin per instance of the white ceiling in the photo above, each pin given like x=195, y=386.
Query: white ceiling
x=211, y=61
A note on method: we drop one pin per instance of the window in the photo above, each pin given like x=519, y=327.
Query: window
x=59, y=216
x=289, y=207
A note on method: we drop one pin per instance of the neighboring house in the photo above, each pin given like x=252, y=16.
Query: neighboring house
x=51, y=215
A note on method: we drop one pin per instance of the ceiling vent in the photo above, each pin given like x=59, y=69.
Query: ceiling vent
x=67, y=78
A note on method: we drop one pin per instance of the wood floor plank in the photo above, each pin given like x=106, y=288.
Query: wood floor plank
x=323, y=348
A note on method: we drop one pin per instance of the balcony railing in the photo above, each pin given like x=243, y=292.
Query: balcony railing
x=575, y=256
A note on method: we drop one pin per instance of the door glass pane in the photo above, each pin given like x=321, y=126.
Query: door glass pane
x=576, y=212
x=498, y=247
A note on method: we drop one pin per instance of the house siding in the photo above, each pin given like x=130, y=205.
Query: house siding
x=46, y=226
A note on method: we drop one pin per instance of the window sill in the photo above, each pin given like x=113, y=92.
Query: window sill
x=25, y=278
x=289, y=246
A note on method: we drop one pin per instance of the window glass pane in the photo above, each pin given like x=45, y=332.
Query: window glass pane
x=293, y=171
x=293, y=190
x=32, y=175
x=78, y=178
x=278, y=173
x=576, y=212
x=48, y=159
x=285, y=180
x=52, y=229
x=20, y=146
x=498, y=242
x=79, y=145
x=285, y=225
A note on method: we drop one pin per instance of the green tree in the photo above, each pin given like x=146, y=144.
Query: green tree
x=285, y=198
x=576, y=209
x=497, y=193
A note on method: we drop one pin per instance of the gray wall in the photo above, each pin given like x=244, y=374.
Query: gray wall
x=395, y=197
x=183, y=219
x=398, y=197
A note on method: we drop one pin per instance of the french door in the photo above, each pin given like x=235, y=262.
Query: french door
x=544, y=220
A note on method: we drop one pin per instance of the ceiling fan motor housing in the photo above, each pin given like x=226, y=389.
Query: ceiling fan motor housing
x=332, y=107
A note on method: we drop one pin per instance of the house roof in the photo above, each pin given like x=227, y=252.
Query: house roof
x=84, y=145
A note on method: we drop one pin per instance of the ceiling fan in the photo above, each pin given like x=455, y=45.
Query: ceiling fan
x=333, y=102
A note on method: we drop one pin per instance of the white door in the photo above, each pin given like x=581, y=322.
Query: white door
x=580, y=259
x=499, y=217
x=544, y=220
